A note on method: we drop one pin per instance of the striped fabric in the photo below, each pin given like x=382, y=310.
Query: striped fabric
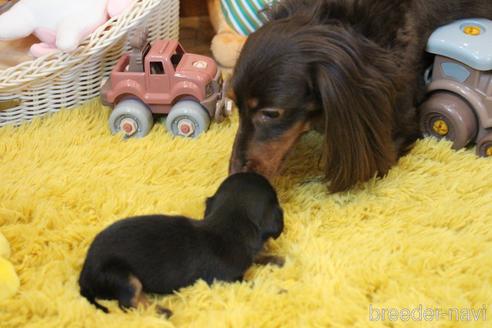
x=245, y=16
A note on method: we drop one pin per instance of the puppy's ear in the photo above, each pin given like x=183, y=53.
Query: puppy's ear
x=273, y=223
x=353, y=81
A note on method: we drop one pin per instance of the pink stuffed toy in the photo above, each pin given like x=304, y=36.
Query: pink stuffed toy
x=59, y=24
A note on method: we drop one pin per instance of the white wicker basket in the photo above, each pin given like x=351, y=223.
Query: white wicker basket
x=50, y=83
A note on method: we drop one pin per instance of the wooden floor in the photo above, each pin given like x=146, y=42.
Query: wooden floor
x=195, y=34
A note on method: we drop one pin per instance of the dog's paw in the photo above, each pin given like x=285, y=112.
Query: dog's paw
x=278, y=261
x=164, y=311
x=270, y=259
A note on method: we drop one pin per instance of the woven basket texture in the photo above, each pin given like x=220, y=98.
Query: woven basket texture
x=60, y=80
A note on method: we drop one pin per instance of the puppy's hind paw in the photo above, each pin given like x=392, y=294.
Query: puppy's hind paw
x=164, y=311
x=270, y=259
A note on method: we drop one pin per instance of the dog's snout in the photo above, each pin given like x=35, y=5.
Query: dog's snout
x=237, y=161
x=240, y=166
x=237, y=166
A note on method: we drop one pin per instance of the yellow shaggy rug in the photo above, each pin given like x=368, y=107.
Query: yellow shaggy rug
x=413, y=249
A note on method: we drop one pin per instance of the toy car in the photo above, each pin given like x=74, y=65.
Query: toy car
x=459, y=85
x=163, y=79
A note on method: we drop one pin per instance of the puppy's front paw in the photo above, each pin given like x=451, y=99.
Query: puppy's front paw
x=270, y=259
x=164, y=311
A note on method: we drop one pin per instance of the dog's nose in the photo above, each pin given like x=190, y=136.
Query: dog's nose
x=237, y=166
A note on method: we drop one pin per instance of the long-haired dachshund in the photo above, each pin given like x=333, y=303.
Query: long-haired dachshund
x=352, y=69
x=160, y=254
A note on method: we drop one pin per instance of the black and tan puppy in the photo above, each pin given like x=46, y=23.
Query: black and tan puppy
x=160, y=254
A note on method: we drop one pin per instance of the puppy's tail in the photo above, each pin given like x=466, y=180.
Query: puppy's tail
x=108, y=281
x=87, y=291
x=92, y=299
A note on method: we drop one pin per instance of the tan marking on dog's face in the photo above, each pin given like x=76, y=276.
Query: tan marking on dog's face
x=252, y=103
x=266, y=158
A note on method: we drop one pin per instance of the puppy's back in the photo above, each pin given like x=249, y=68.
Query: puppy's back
x=146, y=246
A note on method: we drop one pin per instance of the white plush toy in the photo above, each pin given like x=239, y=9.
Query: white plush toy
x=59, y=24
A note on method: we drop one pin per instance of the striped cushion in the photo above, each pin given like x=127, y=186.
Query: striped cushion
x=245, y=16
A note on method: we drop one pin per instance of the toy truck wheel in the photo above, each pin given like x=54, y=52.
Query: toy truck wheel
x=484, y=146
x=187, y=118
x=132, y=117
x=445, y=115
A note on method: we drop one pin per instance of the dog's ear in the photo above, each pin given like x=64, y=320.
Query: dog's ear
x=353, y=82
x=273, y=223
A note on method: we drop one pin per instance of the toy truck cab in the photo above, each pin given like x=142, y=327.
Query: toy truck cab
x=163, y=79
x=459, y=85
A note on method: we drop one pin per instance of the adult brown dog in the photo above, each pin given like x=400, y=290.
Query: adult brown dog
x=352, y=69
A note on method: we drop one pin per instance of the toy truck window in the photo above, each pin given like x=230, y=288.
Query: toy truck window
x=455, y=71
x=157, y=68
x=176, y=57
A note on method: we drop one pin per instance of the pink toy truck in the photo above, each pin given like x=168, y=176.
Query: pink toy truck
x=459, y=103
x=185, y=89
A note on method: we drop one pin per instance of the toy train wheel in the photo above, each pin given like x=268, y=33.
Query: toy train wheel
x=484, y=146
x=446, y=115
x=132, y=117
x=187, y=118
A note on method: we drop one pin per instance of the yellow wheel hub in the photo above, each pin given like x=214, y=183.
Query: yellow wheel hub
x=472, y=30
x=488, y=151
x=440, y=127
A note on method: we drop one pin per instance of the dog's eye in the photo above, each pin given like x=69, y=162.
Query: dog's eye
x=269, y=114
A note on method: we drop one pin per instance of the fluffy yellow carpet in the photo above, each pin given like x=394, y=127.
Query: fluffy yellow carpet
x=418, y=240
